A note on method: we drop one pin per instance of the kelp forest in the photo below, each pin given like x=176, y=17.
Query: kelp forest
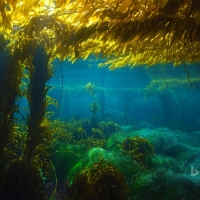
x=49, y=153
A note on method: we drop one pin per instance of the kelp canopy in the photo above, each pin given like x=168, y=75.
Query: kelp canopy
x=128, y=32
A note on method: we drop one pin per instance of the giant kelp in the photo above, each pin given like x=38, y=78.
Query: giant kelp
x=10, y=80
x=125, y=31
x=24, y=166
x=38, y=130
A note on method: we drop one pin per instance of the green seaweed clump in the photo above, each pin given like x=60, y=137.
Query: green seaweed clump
x=94, y=108
x=90, y=88
x=79, y=134
x=22, y=181
x=97, y=133
x=138, y=148
x=110, y=128
x=103, y=181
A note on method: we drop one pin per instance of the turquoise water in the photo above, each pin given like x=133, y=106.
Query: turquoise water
x=124, y=97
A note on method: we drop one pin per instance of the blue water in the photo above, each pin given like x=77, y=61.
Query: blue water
x=121, y=94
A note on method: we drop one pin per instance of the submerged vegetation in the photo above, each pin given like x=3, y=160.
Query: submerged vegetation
x=20, y=169
x=38, y=153
x=127, y=32
x=10, y=73
x=138, y=148
x=101, y=181
x=94, y=107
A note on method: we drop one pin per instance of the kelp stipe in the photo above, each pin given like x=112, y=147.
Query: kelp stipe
x=39, y=135
x=23, y=177
x=38, y=131
x=94, y=107
x=10, y=80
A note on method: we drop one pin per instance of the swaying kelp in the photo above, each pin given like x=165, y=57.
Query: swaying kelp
x=125, y=31
x=94, y=107
x=10, y=80
x=24, y=167
x=38, y=131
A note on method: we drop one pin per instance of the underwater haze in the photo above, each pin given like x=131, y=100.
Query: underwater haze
x=160, y=96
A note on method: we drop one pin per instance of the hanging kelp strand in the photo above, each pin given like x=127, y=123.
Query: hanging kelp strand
x=38, y=131
x=10, y=80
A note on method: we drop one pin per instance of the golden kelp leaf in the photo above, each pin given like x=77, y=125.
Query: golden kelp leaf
x=151, y=31
x=163, y=3
x=2, y=3
x=13, y=3
x=30, y=28
x=52, y=101
x=124, y=5
x=29, y=4
x=6, y=20
x=60, y=3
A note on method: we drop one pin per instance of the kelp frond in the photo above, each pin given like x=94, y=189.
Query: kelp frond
x=128, y=32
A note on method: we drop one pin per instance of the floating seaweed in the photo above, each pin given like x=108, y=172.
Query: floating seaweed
x=128, y=32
